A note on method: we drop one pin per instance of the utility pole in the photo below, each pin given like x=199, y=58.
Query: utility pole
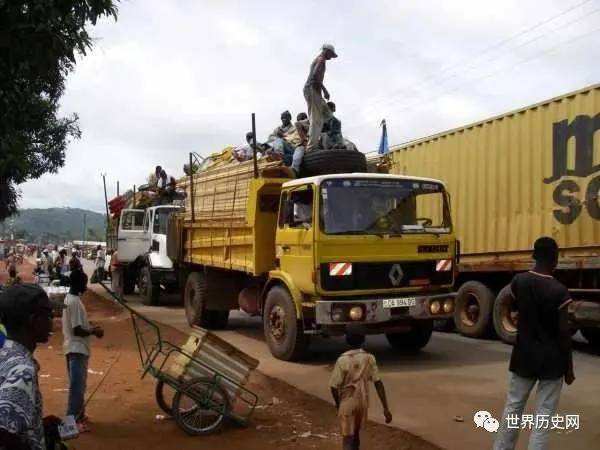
x=117, y=188
x=84, y=227
x=105, y=197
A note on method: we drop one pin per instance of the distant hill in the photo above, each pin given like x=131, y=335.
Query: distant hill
x=56, y=225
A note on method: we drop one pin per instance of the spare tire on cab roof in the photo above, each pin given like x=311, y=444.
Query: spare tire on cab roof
x=324, y=162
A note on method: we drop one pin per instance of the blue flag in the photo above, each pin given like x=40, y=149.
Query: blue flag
x=383, y=143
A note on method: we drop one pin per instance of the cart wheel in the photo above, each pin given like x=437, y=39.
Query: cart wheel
x=200, y=407
x=165, y=404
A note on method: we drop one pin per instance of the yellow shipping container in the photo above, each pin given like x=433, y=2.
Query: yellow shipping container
x=512, y=178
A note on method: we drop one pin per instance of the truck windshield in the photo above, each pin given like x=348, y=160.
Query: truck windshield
x=161, y=220
x=383, y=206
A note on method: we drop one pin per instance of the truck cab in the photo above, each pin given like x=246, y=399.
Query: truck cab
x=142, y=252
x=373, y=249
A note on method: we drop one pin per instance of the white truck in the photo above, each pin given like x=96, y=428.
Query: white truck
x=141, y=258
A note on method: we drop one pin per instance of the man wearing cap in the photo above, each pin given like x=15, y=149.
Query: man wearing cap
x=353, y=371
x=26, y=312
x=77, y=332
x=314, y=91
x=542, y=354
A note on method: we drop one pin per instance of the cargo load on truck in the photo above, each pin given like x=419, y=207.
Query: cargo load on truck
x=513, y=178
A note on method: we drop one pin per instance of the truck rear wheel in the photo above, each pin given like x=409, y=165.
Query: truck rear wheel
x=473, y=314
x=592, y=335
x=505, y=316
x=414, y=340
x=284, y=332
x=149, y=291
x=195, y=299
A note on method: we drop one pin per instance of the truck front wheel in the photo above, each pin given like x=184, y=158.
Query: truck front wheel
x=195, y=299
x=473, y=313
x=414, y=340
x=128, y=282
x=149, y=291
x=284, y=332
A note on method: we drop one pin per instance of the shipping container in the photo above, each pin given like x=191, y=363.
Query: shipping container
x=512, y=178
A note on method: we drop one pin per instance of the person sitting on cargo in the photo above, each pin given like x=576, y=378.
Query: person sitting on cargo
x=244, y=152
x=331, y=136
x=279, y=140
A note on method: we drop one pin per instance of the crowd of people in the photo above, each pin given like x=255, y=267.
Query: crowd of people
x=25, y=321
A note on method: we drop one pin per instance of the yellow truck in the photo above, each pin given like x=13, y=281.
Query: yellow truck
x=513, y=178
x=312, y=255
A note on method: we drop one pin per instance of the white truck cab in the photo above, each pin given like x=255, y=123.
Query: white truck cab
x=142, y=252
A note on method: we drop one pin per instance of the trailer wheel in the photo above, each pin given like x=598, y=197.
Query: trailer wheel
x=414, y=340
x=592, y=335
x=149, y=291
x=195, y=298
x=284, y=332
x=505, y=316
x=473, y=313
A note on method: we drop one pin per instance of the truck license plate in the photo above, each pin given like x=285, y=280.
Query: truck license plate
x=399, y=302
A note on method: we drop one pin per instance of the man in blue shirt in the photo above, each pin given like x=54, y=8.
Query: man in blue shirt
x=26, y=312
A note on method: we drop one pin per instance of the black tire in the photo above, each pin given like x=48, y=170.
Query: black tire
x=443, y=325
x=473, y=313
x=200, y=399
x=149, y=291
x=283, y=330
x=505, y=318
x=592, y=335
x=414, y=340
x=195, y=298
x=128, y=282
x=323, y=162
x=164, y=403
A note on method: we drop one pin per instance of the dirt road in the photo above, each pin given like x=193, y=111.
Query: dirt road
x=453, y=376
x=124, y=414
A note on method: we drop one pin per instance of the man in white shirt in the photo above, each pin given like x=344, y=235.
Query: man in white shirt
x=76, y=332
x=100, y=260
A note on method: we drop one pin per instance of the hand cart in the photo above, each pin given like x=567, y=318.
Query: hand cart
x=207, y=374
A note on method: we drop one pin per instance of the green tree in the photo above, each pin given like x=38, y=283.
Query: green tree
x=38, y=43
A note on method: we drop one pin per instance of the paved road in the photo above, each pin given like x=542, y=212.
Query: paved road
x=453, y=376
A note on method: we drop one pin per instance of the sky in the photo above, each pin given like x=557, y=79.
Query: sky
x=174, y=76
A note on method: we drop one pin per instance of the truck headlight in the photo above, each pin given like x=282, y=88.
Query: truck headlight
x=448, y=305
x=356, y=313
x=435, y=307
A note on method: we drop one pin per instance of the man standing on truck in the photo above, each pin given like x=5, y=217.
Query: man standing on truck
x=353, y=371
x=542, y=353
x=314, y=91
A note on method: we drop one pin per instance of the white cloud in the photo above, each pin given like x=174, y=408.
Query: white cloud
x=174, y=76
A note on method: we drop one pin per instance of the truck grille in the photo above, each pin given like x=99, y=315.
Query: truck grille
x=383, y=276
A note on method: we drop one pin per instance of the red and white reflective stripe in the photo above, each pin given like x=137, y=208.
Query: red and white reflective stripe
x=340, y=269
x=443, y=265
